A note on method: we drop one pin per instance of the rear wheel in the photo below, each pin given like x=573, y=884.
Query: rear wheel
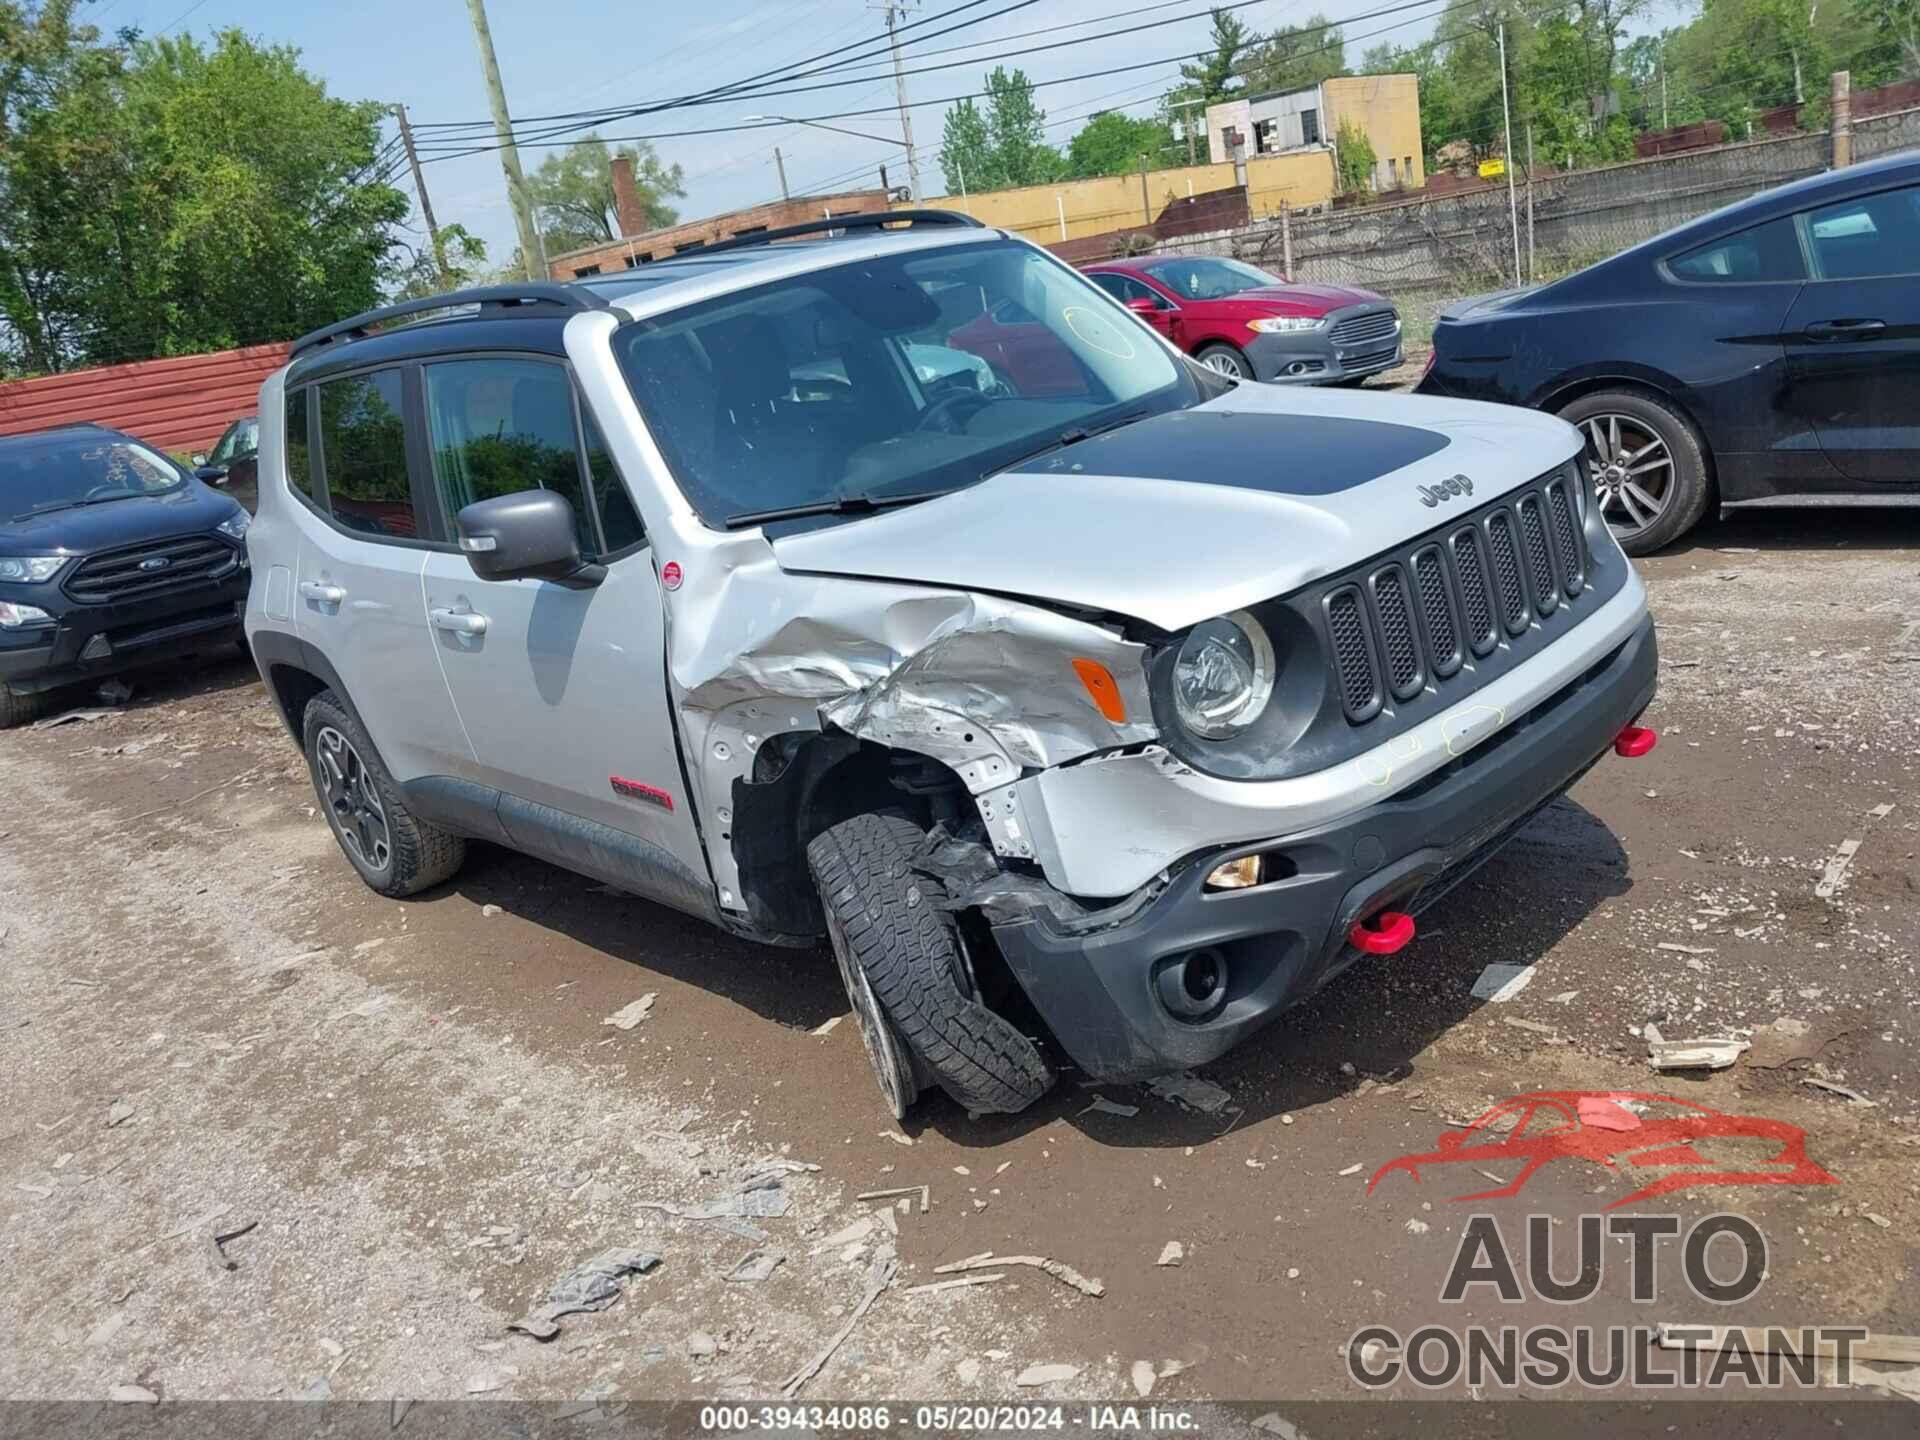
x=1648, y=464
x=17, y=708
x=908, y=977
x=395, y=852
x=1225, y=360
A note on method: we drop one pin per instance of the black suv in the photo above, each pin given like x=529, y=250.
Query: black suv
x=111, y=556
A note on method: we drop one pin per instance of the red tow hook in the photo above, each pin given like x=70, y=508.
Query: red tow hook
x=1390, y=931
x=1634, y=741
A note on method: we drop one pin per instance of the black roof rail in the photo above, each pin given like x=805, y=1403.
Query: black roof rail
x=492, y=299
x=860, y=220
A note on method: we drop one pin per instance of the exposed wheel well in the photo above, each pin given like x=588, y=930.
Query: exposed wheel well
x=292, y=688
x=1560, y=399
x=802, y=786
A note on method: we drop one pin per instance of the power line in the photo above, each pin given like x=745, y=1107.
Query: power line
x=184, y=15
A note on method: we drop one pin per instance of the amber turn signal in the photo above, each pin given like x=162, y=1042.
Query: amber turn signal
x=1101, y=686
x=1241, y=874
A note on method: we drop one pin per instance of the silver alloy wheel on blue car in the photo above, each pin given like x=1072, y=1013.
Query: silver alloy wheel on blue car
x=1632, y=471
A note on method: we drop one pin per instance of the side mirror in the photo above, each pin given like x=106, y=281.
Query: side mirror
x=1140, y=305
x=528, y=535
x=199, y=457
x=212, y=474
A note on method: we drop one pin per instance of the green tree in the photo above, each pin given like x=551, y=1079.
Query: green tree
x=1217, y=75
x=1891, y=30
x=966, y=154
x=1353, y=158
x=466, y=256
x=572, y=193
x=1001, y=145
x=1295, y=57
x=1112, y=143
x=161, y=197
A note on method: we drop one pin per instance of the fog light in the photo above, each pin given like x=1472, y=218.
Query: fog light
x=1241, y=874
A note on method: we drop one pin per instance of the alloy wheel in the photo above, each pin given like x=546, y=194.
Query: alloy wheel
x=1222, y=363
x=347, y=786
x=892, y=1069
x=1632, y=471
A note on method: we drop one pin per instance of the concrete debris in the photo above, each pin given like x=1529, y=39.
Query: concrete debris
x=959, y=1282
x=847, y=1235
x=1534, y=1025
x=1684, y=949
x=1045, y=1374
x=1565, y=997
x=132, y=1395
x=591, y=1285
x=1835, y=1089
x=489, y=911
x=70, y=717
x=895, y=1136
x=1417, y=1226
x=761, y=1198
x=925, y=1192
x=1880, y=1220
x=879, y=1277
x=1715, y=1053
x=1835, y=875
x=1065, y=1274
x=628, y=1016
x=827, y=1027
x=1499, y=983
x=1274, y=1423
x=755, y=1266
x=1172, y=1253
x=968, y=1371
x=486, y=1382
x=1353, y=1169
x=118, y=1113
x=1143, y=1378
x=1191, y=1091
x=702, y=1346
x=1107, y=1107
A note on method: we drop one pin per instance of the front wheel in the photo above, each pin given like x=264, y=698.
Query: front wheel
x=905, y=965
x=1225, y=360
x=1648, y=464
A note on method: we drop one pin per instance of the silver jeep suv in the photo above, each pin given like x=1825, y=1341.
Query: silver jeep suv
x=895, y=584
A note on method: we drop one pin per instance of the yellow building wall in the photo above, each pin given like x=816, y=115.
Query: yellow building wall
x=1386, y=108
x=1089, y=207
x=1297, y=179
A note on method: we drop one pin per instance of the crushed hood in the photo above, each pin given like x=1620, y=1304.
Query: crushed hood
x=1199, y=512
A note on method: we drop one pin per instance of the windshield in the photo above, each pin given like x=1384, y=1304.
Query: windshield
x=1205, y=277
x=53, y=472
x=889, y=379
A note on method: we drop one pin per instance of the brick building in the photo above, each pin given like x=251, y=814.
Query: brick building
x=639, y=246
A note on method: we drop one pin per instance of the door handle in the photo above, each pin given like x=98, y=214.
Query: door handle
x=459, y=622
x=1844, y=329
x=324, y=593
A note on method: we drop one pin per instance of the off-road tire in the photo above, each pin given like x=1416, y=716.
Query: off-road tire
x=906, y=944
x=420, y=854
x=17, y=708
x=1216, y=355
x=1692, y=489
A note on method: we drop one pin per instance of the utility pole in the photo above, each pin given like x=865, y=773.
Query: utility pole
x=1841, y=125
x=1663, y=88
x=1799, y=89
x=1530, y=269
x=1506, y=114
x=1186, y=109
x=1146, y=200
x=906, y=113
x=426, y=205
x=533, y=254
x=781, y=165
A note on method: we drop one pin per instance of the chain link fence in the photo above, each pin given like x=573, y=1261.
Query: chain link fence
x=1425, y=254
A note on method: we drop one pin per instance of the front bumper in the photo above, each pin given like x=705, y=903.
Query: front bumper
x=1095, y=980
x=90, y=642
x=1317, y=357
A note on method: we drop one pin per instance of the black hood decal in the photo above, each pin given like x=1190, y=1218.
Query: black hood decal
x=1281, y=454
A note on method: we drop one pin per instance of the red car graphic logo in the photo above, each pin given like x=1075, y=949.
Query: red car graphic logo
x=1618, y=1128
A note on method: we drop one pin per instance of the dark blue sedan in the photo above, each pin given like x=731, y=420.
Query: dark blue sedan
x=1767, y=354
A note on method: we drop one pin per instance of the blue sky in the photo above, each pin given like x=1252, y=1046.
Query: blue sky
x=566, y=55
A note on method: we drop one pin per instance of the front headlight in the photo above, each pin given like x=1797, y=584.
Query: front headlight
x=1286, y=324
x=15, y=617
x=1223, y=676
x=235, y=525
x=30, y=568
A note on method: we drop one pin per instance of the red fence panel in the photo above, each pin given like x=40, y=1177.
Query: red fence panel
x=180, y=404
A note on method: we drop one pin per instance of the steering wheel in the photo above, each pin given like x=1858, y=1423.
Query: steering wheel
x=941, y=414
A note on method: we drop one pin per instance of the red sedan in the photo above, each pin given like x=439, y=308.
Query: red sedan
x=1244, y=322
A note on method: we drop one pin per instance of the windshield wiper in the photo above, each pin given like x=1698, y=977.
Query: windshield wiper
x=77, y=504
x=839, y=505
x=1072, y=435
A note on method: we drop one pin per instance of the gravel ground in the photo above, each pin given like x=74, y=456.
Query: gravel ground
x=206, y=1023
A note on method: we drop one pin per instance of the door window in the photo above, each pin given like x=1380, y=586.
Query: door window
x=363, y=442
x=501, y=425
x=1766, y=252
x=299, y=448
x=1870, y=236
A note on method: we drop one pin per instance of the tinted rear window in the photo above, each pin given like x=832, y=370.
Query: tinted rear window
x=1765, y=253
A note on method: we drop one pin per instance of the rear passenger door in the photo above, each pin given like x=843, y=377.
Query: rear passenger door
x=357, y=587
x=1853, y=337
x=562, y=692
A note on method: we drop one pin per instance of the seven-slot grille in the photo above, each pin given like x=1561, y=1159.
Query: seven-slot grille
x=132, y=574
x=1379, y=325
x=1418, y=617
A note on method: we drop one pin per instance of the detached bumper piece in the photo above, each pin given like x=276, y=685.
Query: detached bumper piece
x=1180, y=973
